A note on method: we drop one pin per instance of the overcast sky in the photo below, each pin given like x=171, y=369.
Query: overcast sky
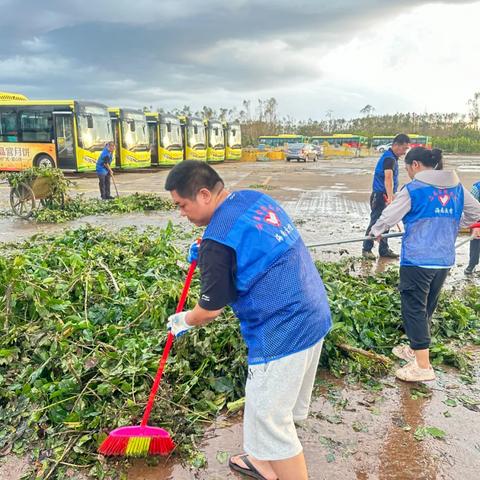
x=311, y=55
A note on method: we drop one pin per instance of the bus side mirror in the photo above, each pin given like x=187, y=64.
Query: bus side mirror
x=89, y=121
x=132, y=126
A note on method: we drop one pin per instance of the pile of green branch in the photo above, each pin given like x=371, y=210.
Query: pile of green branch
x=366, y=315
x=80, y=207
x=82, y=319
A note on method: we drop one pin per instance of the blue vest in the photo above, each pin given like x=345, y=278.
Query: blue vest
x=476, y=191
x=431, y=225
x=379, y=175
x=105, y=157
x=281, y=301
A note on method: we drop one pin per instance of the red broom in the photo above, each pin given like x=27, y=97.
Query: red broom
x=137, y=441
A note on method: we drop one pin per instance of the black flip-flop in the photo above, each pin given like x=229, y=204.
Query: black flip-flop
x=251, y=471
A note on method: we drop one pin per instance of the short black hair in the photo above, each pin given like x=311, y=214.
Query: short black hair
x=187, y=178
x=401, y=139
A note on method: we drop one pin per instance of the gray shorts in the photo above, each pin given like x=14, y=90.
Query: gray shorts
x=277, y=394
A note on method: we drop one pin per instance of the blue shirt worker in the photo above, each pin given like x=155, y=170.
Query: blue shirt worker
x=252, y=258
x=384, y=188
x=433, y=207
x=474, y=244
x=104, y=170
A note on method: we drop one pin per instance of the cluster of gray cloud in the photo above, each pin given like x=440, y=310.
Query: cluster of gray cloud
x=172, y=52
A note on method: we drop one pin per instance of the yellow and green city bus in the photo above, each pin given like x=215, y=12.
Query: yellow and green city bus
x=194, y=138
x=233, y=141
x=130, y=132
x=341, y=139
x=67, y=134
x=165, y=134
x=215, y=141
x=274, y=141
x=415, y=140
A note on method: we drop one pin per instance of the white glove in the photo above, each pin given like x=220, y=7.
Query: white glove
x=177, y=324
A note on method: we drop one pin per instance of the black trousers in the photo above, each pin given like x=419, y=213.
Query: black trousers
x=104, y=184
x=377, y=204
x=474, y=253
x=420, y=290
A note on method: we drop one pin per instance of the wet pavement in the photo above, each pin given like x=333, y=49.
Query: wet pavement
x=353, y=432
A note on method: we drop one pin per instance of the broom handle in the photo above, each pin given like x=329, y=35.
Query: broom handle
x=168, y=345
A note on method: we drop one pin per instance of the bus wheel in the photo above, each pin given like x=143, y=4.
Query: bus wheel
x=44, y=161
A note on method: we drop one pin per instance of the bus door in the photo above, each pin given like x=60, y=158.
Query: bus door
x=65, y=142
x=153, y=140
x=117, y=140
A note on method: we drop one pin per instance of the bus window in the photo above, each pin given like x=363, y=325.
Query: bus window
x=36, y=126
x=8, y=126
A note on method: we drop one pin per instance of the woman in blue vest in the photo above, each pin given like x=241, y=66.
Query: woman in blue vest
x=474, y=244
x=252, y=258
x=433, y=206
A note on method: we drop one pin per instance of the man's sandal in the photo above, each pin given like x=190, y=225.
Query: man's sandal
x=251, y=471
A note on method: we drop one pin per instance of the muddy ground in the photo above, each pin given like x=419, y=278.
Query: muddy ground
x=354, y=432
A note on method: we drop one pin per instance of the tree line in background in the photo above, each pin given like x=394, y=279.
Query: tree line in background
x=452, y=132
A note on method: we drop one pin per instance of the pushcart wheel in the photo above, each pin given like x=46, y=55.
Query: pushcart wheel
x=22, y=200
x=55, y=202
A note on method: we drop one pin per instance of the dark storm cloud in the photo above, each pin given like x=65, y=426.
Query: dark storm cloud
x=157, y=51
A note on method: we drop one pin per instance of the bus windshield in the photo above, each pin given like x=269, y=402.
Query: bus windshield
x=196, y=134
x=135, y=132
x=99, y=134
x=171, y=134
x=234, y=137
x=216, y=136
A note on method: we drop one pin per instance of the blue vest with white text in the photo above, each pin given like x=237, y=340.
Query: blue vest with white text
x=379, y=175
x=431, y=225
x=281, y=300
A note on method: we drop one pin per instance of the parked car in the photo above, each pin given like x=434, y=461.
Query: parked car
x=301, y=152
x=382, y=148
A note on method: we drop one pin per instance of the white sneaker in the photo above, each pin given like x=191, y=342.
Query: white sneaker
x=411, y=372
x=404, y=352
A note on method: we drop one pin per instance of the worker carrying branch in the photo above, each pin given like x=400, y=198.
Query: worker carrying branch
x=252, y=257
x=433, y=206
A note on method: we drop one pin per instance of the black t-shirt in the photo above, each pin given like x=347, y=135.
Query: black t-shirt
x=218, y=274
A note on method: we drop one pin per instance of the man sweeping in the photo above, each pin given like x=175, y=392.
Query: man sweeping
x=104, y=170
x=252, y=258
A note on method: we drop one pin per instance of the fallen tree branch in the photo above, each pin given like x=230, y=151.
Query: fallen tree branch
x=115, y=285
x=373, y=356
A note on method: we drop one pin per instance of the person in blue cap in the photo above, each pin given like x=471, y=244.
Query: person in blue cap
x=384, y=188
x=252, y=258
x=104, y=171
x=475, y=243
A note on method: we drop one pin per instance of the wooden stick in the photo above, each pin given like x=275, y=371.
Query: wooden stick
x=373, y=356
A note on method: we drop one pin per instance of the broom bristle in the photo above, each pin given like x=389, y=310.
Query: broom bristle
x=161, y=446
x=113, y=446
x=136, y=446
